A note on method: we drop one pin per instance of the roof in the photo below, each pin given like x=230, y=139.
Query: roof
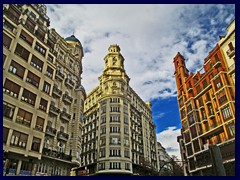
x=72, y=38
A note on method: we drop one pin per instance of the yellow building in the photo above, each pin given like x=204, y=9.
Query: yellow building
x=227, y=45
x=118, y=134
x=42, y=94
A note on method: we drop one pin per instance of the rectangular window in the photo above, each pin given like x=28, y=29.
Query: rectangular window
x=183, y=113
x=49, y=72
x=115, y=140
x=126, y=131
x=222, y=99
x=16, y=69
x=6, y=41
x=50, y=58
x=39, y=124
x=115, y=109
x=8, y=110
x=103, y=119
x=46, y=87
x=36, y=144
x=24, y=117
x=115, y=165
x=8, y=25
x=5, y=134
x=22, y=52
x=115, y=153
x=19, y=139
x=101, y=166
x=11, y=88
x=114, y=129
x=102, y=152
x=126, y=142
x=218, y=83
x=191, y=119
x=126, y=153
x=26, y=37
x=103, y=130
x=127, y=166
x=33, y=79
x=43, y=104
x=125, y=119
x=40, y=49
x=114, y=118
x=226, y=112
x=29, y=97
x=37, y=63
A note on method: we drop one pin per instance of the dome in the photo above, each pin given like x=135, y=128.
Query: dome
x=73, y=39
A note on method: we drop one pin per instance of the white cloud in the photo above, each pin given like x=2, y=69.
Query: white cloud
x=149, y=36
x=168, y=139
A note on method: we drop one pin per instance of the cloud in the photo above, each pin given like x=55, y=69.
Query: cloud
x=168, y=139
x=149, y=36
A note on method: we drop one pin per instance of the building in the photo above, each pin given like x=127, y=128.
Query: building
x=118, y=134
x=206, y=102
x=165, y=164
x=42, y=94
x=227, y=46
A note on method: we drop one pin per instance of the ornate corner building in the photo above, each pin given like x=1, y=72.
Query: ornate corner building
x=206, y=102
x=43, y=97
x=118, y=135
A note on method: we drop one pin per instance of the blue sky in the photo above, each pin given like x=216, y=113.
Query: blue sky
x=149, y=37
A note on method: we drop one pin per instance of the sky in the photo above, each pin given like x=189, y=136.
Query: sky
x=150, y=36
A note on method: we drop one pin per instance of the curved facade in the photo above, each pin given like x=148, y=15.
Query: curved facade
x=118, y=133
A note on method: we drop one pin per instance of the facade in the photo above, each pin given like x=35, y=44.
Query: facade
x=227, y=45
x=118, y=135
x=206, y=102
x=164, y=159
x=42, y=94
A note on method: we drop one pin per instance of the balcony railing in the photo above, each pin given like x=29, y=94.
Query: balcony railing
x=54, y=110
x=69, y=83
x=63, y=136
x=231, y=52
x=55, y=154
x=11, y=93
x=57, y=92
x=66, y=98
x=51, y=131
x=65, y=116
x=60, y=75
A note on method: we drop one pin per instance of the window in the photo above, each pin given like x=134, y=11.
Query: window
x=187, y=137
x=101, y=166
x=181, y=102
x=103, y=130
x=103, y=110
x=126, y=142
x=8, y=25
x=125, y=110
x=127, y=166
x=115, y=109
x=191, y=119
x=114, y=129
x=5, y=134
x=36, y=144
x=189, y=150
x=103, y=119
x=115, y=152
x=29, y=97
x=19, y=139
x=114, y=118
x=43, y=104
x=25, y=36
x=199, y=89
x=8, y=110
x=205, y=83
x=33, y=79
x=193, y=131
x=222, y=99
x=42, y=168
x=226, y=112
x=126, y=153
x=37, y=63
x=114, y=100
x=115, y=165
x=50, y=58
x=6, y=41
x=218, y=83
x=183, y=113
x=231, y=130
x=189, y=108
x=16, y=69
x=40, y=49
x=102, y=141
x=102, y=152
x=196, y=146
x=11, y=88
x=126, y=131
x=39, y=124
x=60, y=147
x=46, y=87
x=22, y=52
x=49, y=72
x=24, y=117
x=125, y=119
